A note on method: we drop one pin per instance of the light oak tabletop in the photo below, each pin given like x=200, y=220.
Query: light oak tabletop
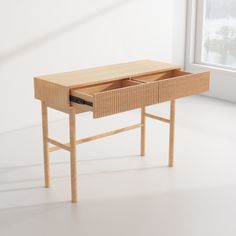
x=107, y=73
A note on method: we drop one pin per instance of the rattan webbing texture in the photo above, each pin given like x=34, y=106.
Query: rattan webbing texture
x=183, y=86
x=125, y=99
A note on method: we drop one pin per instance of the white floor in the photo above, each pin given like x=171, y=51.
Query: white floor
x=121, y=193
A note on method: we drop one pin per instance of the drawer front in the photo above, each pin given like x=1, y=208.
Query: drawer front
x=125, y=99
x=182, y=86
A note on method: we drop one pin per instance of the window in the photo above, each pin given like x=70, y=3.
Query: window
x=217, y=28
x=211, y=44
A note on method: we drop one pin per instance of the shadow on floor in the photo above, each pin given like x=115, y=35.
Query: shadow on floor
x=203, y=211
x=86, y=174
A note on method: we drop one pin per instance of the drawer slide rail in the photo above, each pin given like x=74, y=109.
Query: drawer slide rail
x=80, y=101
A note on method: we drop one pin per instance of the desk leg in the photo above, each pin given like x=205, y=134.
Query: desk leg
x=45, y=144
x=142, y=149
x=73, y=164
x=172, y=129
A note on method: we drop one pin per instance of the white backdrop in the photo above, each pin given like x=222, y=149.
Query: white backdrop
x=48, y=36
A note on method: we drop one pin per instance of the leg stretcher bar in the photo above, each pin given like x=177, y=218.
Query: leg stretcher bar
x=66, y=146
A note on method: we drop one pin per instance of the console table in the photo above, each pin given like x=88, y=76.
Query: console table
x=110, y=90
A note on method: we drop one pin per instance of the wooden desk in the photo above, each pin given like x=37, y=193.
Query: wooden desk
x=110, y=90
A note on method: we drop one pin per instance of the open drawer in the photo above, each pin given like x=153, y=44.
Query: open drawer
x=139, y=91
x=115, y=97
x=175, y=83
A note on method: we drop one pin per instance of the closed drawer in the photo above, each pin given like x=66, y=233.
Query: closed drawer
x=115, y=97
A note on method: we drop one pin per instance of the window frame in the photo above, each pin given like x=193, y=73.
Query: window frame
x=223, y=78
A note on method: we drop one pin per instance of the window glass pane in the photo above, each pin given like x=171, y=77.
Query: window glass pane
x=219, y=33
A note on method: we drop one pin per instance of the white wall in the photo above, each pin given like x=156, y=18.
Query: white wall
x=47, y=36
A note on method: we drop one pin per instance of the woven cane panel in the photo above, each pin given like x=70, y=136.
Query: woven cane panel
x=183, y=86
x=125, y=99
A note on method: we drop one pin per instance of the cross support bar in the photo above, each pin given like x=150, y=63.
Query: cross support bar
x=109, y=133
x=157, y=118
x=95, y=137
x=58, y=145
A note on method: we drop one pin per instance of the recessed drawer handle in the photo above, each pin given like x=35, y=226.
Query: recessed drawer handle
x=80, y=101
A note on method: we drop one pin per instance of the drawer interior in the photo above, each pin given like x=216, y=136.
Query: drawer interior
x=89, y=91
x=159, y=76
x=93, y=89
x=138, y=91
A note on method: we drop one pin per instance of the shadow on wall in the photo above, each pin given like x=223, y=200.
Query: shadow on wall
x=5, y=56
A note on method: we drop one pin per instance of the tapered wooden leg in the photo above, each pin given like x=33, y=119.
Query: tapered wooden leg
x=45, y=144
x=73, y=165
x=142, y=146
x=172, y=129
